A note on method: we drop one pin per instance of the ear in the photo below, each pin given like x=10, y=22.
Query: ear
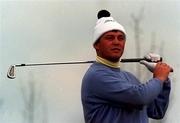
x=96, y=46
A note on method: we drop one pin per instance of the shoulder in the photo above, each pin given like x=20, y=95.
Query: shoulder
x=95, y=69
x=94, y=76
x=99, y=72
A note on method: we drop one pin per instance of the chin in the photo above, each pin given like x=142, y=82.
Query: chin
x=114, y=59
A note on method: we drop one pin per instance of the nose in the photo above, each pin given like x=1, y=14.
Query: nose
x=116, y=41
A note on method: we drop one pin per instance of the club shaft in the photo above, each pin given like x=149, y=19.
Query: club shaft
x=132, y=60
x=54, y=63
x=79, y=62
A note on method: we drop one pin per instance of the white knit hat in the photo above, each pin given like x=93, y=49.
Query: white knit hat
x=104, y=24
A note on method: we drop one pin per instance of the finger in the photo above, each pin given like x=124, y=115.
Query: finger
x=164, y=65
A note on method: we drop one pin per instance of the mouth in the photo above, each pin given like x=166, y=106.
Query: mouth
x=116, y=49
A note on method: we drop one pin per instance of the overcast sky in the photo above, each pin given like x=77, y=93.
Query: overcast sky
x=38, y=31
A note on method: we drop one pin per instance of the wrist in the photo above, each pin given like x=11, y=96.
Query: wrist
x=161, y=78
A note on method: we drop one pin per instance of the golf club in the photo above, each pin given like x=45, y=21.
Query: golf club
x=12, y=70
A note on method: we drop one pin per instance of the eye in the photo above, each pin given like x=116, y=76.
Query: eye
x=109, y=37
x=121, y=37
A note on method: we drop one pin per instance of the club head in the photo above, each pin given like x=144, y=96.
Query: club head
x=11, y=72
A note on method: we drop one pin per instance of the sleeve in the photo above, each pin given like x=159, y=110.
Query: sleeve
x=114, y=90
x=158, y=107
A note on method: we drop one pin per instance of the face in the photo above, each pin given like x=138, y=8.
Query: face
x=111, y=45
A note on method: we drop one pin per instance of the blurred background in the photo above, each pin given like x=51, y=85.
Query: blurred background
x=39, y=31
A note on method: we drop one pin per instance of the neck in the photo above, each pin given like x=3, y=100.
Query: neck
x=107, y=62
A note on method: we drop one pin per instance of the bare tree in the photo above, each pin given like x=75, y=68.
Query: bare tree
x=137, y=19
x=35, y=107
x=153, y=42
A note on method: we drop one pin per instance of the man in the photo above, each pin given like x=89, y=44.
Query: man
x=111, y=95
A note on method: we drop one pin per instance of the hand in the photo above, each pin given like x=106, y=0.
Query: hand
x=153, y=57
x=150, y=65
x=161, y=71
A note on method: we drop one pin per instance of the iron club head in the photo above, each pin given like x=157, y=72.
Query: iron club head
x=11, y=72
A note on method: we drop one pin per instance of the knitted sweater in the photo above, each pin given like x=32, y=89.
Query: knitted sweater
x=110, y=95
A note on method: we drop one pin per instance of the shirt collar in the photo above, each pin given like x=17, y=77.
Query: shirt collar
x=107, y=62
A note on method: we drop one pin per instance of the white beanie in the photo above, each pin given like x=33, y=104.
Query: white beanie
x=104, y=24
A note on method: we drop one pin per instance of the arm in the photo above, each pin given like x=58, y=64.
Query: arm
x=112, y=89
x=158, y=107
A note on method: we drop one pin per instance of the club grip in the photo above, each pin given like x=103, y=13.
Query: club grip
x=137, y=60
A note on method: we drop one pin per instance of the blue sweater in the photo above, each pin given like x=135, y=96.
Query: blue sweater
x=110, y=95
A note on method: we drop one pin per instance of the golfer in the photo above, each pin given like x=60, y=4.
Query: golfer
x=112, y=95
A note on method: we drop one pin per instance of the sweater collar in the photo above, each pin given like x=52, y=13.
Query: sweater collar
x=107, y=62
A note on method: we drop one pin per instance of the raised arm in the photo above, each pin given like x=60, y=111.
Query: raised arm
x=158, y=107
